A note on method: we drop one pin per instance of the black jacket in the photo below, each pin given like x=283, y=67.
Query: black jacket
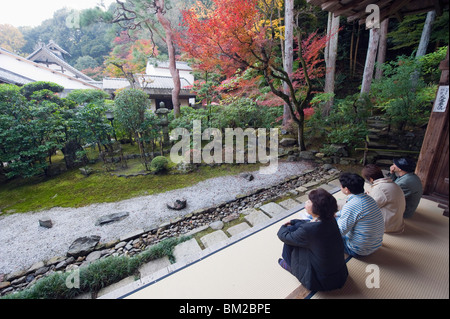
x=317, y=258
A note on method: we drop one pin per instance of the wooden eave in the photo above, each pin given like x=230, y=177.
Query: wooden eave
x=355, y=10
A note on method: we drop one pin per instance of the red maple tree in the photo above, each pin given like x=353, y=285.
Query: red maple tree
x=237, y=35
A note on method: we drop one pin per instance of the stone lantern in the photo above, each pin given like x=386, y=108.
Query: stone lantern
x=162, y=113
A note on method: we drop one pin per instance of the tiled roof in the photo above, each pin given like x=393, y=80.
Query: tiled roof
x=44, y=51
x=13, y=78
x=16, y=68
x=146, y=81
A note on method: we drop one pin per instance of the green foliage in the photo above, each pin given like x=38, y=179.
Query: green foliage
x=133, y=115
x=35, y=123
x=131, y=109
x=30, y=131
x=237, y=112
x=87, y=96
x=160, y=164
x=430, y=65
x=397, y=92
x=29, y=89
x=346, y=123
x=408, y=32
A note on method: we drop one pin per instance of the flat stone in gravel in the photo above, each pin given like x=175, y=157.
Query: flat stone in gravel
x=104, y=220
x=272, y=209
x=83, y=246
x=213, y=238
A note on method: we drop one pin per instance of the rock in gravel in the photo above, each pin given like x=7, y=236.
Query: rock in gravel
x=83, y=246
x=45, y=222
x=178, y=205
x=111, y=218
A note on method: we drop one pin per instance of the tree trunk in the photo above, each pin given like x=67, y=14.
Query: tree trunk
x=370, y=60
x=172, y=58
x=288, y=53
x=382, y=48
x=330, y=58
x=426, y=33
x=70, y=150
x=423, y=45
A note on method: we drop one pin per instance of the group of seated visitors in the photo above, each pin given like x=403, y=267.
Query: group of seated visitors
x=314, y=248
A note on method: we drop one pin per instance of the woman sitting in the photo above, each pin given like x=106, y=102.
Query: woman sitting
x=313, y=249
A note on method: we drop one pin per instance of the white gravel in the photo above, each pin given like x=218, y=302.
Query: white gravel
x=23, y=242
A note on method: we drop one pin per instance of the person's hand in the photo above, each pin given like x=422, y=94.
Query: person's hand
x=392, y=169
x=287, y=224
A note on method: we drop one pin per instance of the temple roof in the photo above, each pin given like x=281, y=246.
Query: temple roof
x=17, y=70
x=52, y=56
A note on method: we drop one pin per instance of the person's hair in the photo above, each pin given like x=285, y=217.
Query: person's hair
x=353, y=182
x=372, y=171
x=323, y=203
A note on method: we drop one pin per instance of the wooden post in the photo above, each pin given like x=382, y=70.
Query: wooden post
x=288, y=54
x=330, y=58
x=370, y=60
x=382, y=48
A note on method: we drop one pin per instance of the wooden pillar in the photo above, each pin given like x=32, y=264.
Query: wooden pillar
x=382, y=48
x=433, y=166
x=370, y=60
x=330, y=58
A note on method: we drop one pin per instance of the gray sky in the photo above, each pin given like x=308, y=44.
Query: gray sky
x=32, y=12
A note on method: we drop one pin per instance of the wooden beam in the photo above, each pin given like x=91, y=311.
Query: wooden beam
x=349, y=7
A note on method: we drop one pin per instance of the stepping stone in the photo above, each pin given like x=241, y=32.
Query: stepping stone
x=335, y=183
x=272, y=209
x=289, y=204
x=256, y=218
x=183, y=252
x=311, y=184
x=238, y=229
x=327, y=187
x=248, y=211
x=302, y=199
x=153, y=266
x=213, y=238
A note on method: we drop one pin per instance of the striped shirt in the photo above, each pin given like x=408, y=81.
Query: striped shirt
x=361, y=224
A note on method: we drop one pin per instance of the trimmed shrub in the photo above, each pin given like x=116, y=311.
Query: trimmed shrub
x=160, y=164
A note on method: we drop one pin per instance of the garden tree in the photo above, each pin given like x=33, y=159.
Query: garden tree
x=404, y=99
x=242, y=34
x=30, y=129
x=152, y=16
x=129, y=58
x=132, y=112
x=11, y=38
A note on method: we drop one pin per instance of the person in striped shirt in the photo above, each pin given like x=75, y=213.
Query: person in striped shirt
x=360, y=220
